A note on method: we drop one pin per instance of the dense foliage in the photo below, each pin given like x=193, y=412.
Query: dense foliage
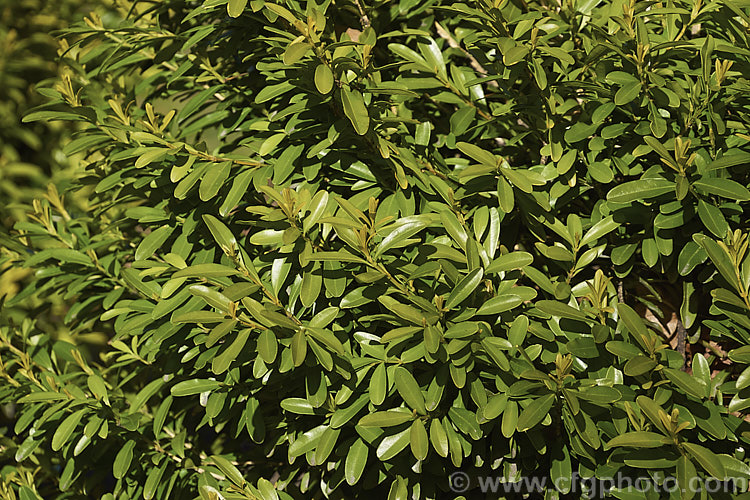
x=351, y=248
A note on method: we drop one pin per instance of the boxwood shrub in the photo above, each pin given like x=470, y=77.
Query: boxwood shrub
x=356, y=247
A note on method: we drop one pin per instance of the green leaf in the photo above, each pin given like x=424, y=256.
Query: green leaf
x=535, y=412
x=212, y=297
x=726, y=188
x=150, y=156
x=464, y=288
x=600, y=394
x=223, y=361
x=662, y=151
x=298, y=405
x=325, y=445
x=306, y=441
x=194, y=386
x=713, y=219
x=295, y=51
x=236, y=7
x=580, y=131
x=122, y=460
x=422, y=134
x=640, y=190
x=478, y=154
x=408, y=388
x=270, y=92
x=268, y=346
x=327, y=338
x=518, y=329
x=560, y=310
x=638, y=366
x=323, y=78
x=342, y=416
x=299, y=348
x=719, y=257
x=378, y=384
x=494, y=346
x=153, y=480
x=392, y=445
x=221, y=234
x=66, y=428
x=561, y=469
x=702, y=372
x=686, y=383
x=356, y=460
x=438, y=438
x=337, y=256
x=601, y=228
x=153, y=242
x=509, y=262
x=500, y=304
x=515, y=55
x=627, y=93
x=213, y=180
x=355, y=110
x=419, y=440
x=388, y=418
x=209, y=270
x=236, y=192
x=267, y=490
x=397, y=236
x=707, y=459
x=639, y=439
x=461, y=119
x=404, y=311
x=738, y=157
x=229, y=470
x=686, y=475
x=633, y=322
x=145, y=394
x=510, y=419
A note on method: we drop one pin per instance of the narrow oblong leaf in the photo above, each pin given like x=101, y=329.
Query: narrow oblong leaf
x=535, y=412
x=639, y=439
x=725, y=188
x=229, y=470
x=464, y=288
x=388, y=418
x=707, y=459
x=408, y=388
x=153, y=242
x=194, y=386
x=392, y=445
x=640, y=190
x=419, y=440
x=122, y=460
x=355, y=110
x=500, y=304
x=356, y=459
x=236, y=7
x=66, y=428
x=221, y=363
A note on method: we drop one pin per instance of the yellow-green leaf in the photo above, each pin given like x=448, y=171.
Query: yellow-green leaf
x=355, y=110
x=236, y=7
x=323, y=78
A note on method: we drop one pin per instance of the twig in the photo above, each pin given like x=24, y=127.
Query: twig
x=363, y=15
x=681, y=337
x=443, y=33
